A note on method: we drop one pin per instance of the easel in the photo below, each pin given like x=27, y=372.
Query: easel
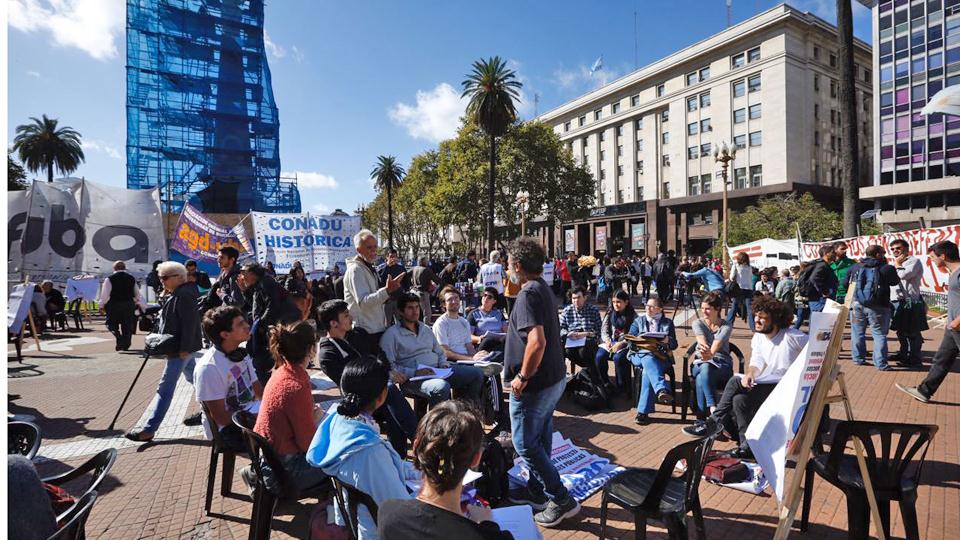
x=33, y=325
x=803, y=443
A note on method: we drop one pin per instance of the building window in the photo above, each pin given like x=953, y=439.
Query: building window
x=753, y=54
x=620, y=198
x=581, y=121
x=693, y=186
x=755, y=111
x=756, y=176
x=603, y=155
x=833, y=116
x=615, y=108
x=739, y=88
x=666, y=190
x=816, y=138
x=692, y=103
x=740, y=178
x=640, y=124
x=692, y=78
x=756, y=138
x=603, y=136
x=692, y=128
x=737, y=60
x=619, y=131
x=665, y=137
x=619, y=150
x=833, y=88
x=639, y=145
x=705, y=126
x=597, y=114
x=566, y=126
x=705, y=150
x=665, y=116
x=816, y=82
x=833, y=60
x=705, y=183
x=816, y=52
x=753, y=83
x=665, y=160
x=833, y=143
x=619, y=170
x=635, y=100
x=692, y=153
x=660, y=90
x=603, y=174
x=704, y=73
x=816, y=110
x=739, y=116
x=740, y=141
x=639, y=193
x=601, y=200
x=705, y=100
x=639, y=166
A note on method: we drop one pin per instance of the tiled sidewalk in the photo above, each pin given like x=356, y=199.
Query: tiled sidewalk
x=157, y=490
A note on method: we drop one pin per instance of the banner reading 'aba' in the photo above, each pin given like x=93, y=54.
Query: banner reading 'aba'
x=198, y=238
x=318, y=242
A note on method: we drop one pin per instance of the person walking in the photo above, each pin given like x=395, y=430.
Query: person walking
x=871, y=305
x=817, y=283
x=741, y=274
x=119, y=298
x=908, y=301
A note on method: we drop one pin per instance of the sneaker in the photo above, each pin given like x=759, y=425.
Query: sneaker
x=701, y=428
x=556, y=512
x=884, y=368
x=742, y=453
x=909, y=363
x=139, y=435
x=641, y=419
x=193, y=420
x=249, y=478
x=913, y=392
x=525, y=496
x=664, y=397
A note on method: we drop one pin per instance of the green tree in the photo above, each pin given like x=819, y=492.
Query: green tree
x=16, y=176
x=388, y=175
x=41, y=145
x=492, y=89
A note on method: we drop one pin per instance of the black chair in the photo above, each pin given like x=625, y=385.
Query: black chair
x=99, y=465
x=266, y=499
x=349, y=508
x=75, y=520
x=670, y=376
x=217, y=449
x=23, y=438
x=689, y=384
x=73, y=311
x=657, y=494
x=17, y=344
x=893, y=470
x=58, y=319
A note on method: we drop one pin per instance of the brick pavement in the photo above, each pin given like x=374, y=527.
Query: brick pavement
x=156, y=490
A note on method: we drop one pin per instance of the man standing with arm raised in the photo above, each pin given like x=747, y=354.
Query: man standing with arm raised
x=534, y=368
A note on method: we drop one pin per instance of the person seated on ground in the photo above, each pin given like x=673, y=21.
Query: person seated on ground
x=30, y=515
x=288, y=417
x=613, y=345
x=449, y=441
x=55, y=302
x=774, y=347
x=580, y=332
x=488, y=324
x=347, y=445
x=654, y=360
x=414, y=352
x=453, y=331
x=224, y=376
x=712, y=366
x=338, y=348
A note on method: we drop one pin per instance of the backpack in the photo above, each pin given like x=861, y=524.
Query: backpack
x=726, y=470
x=587, y=394
x=805, y=286
x=601, y=284
x=494, y=485
x=868, y=286
x=731, y=289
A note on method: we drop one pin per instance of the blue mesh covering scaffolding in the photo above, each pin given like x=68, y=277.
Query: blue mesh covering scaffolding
x=202, y=123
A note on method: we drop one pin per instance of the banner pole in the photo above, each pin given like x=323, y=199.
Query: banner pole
x=23, y=235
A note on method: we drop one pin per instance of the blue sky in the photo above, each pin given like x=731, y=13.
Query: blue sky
x=357, y=79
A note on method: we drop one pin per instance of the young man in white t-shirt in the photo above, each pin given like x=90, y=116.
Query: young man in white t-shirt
x=453, y=331
x=224, y=377
x=773, y=349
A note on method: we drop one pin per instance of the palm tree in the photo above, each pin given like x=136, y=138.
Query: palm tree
x=849, y=162
x=492, y=89
x=16, y=177
x=41, y=145
x=388, y=174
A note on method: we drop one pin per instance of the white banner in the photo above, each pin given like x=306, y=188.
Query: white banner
x=582, y=473
x=768, y=252
x=775, y=425
x=77, y=226
x=18, y=305
x=318, y=242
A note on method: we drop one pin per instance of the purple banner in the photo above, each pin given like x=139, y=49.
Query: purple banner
x=199, y=238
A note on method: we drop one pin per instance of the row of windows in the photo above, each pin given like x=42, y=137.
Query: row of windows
x=740, y=115
x=703, y=100
x=703, y=126
x=750, y=84
x=698, y=76
x=833, y=85
x=920, y=202
x=867, y=75
x=740, y=59
x=743, y=178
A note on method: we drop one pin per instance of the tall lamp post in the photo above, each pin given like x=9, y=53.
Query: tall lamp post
x=724, y=153
x=523, y=201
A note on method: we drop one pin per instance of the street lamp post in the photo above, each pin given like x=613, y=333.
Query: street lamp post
x=724, y=153
x=523, y=201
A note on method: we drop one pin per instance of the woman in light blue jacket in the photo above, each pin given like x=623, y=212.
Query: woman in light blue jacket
x=348, y=445
x=653, y=384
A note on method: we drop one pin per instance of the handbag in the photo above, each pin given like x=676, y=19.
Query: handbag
x=726, y=471
x=161, y=345
x=910, y=316
x=145, y=323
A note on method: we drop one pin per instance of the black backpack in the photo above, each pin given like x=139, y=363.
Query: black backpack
x=494, y=485
x=587, y=394
x=805, y=286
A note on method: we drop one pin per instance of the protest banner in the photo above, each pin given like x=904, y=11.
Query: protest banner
x=197, y=237
x=768, y=252
x=18, y=306
x=318, y=242
x=582, y=473
x=72, y=226
x=919, y=240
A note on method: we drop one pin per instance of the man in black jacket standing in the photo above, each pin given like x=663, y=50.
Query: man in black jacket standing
x=118, y=299
x=817, y=283
x=269, y=305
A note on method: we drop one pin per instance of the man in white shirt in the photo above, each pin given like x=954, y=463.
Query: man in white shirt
x=453, y=331
x=491, y=274
x=119, y=299
x=773, y=349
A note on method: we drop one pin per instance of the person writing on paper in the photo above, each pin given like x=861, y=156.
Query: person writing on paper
x=712, y=367
x=449, y=441
x=488, y=324
x=580, y=332
x=774, y=347
x=414, y=352
x=348, y=446
x=616, y=324
x=453, y=331
x=653, y=383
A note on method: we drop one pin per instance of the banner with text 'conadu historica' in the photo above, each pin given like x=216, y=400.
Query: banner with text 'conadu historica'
x=318, y=242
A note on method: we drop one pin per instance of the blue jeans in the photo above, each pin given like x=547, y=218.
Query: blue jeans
x=168, y=384
x=804, y=312
x=400, y=422
x=878, y=319
x=652, y=380
x=709, y=378
x=466, y=380
x=746, y=298
x=620, y=366
x=531, y=416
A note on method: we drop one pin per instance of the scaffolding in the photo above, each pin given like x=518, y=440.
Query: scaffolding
x=202, y=123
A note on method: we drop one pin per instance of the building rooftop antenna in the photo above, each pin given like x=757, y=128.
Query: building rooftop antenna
x=729, y=13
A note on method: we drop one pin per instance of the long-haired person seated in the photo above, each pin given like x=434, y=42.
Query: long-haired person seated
x=449, y=441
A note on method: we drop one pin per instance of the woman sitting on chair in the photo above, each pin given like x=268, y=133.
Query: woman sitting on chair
x=487, y=323
x=655, y=358
x=348, y=445
x=712, y=367
x=616, y=324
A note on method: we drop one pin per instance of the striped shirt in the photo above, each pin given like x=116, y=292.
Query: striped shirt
x=584, y=320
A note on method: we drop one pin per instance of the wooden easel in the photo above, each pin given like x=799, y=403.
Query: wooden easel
x=802, y=446
x=33, y=325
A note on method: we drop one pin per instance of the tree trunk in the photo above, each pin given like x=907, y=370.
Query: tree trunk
x=389, y=215
x=50, y=172
x=849, y=163
x=491, y=188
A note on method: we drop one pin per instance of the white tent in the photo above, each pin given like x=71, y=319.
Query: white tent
x=768, y=252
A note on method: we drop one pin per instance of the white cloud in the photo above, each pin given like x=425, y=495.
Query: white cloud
x=103, y=147
x=273, y=49
x=320, y=208
x=35, y=74
x=312, y=179
x=524, y=103
x=435, y=116
x=297, y=54
x=92, y=26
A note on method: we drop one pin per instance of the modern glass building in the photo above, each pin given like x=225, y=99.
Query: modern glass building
x=916, y=53
x=202, y=123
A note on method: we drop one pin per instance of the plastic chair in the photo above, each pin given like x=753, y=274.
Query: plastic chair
x=894, y=473
x=348, y=510
x=75, y=520
x=265, y=499
x=689, y=383
x=73, y=310
x=657, y=494
x=23, y=438
x=217, y=449
x=99, y=465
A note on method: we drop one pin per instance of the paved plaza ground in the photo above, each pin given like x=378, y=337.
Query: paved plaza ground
x=156, y=490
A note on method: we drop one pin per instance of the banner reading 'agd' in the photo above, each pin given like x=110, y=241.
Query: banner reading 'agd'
x=197, y=237
x=318, y=242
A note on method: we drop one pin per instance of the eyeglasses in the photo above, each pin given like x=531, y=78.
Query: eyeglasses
x=164, y=278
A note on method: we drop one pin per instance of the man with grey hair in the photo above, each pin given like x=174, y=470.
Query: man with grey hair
x=535, y=369
x=119, y=298
x=54, y=302
x=492, y=274
x=365, y=297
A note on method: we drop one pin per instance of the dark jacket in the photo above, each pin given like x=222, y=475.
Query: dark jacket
x=823, y=279
x=55, y=301
x=332, y=361
x=269, y=305
x=203, y=279
x=888, y=278
x=179, y=317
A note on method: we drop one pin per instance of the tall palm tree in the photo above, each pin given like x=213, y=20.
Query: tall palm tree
x=40, y=145
x=388, y=174
x=492, y=89
x=849, y=162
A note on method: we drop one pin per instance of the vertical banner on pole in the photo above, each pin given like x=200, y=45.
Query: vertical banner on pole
x=568, y=240
x=318, y=242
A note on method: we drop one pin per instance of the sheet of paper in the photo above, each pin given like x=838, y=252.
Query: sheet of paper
x=653, y=335
x=438, y=373
x=495, y=334
x=518, y=520
x=572, y=343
